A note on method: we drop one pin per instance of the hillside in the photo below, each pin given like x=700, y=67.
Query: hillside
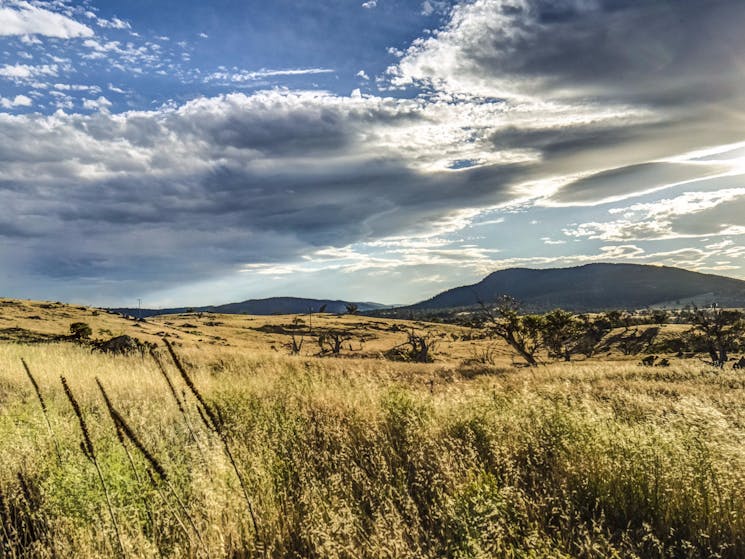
x=32, y=322
x=593, y=287
x=271, y=305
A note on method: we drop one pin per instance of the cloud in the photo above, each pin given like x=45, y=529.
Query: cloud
x=430, y=7
x=654, y=52
x=25, y=72
x=689, y=215
x=602, y=92
x=99, y=104
x=370, y=4
x=236, y=76
x=194, y=191
x=17, y=101
x=512, y=106
x=23, y=18
x=645, y=177
x=113, y=23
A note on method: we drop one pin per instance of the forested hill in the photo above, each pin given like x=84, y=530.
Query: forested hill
x=593, y=287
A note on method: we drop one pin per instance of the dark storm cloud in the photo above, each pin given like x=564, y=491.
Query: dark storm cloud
x=663, y=52
x=198, y=191
x=674, y=68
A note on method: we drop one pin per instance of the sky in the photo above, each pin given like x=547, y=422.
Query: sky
x=192, y=153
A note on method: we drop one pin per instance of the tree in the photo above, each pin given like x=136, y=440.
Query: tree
x=296, y=343
x=562, y=332
x=80, y=330
x=332, y=341
x=523, y=333
x=352, y=308
x=660, y=316
x=594, y=330
x=722, y=331
x=416, y=348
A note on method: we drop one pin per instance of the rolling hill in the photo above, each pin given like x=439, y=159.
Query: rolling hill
x=592, y=287
x=272, y=305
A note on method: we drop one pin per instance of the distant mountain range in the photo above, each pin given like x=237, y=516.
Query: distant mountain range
x=272, y=305
x=593, y=287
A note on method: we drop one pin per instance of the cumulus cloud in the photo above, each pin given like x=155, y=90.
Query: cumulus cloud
x=113, y=23
x=23, y=18
x=25, y=73
x=99, y=104
x=17, y=101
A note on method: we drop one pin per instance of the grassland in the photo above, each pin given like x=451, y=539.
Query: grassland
x=361, y=457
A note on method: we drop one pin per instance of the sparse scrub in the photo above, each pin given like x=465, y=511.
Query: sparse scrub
x=365, y=458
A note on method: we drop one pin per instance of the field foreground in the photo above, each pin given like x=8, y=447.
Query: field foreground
x=309, y=457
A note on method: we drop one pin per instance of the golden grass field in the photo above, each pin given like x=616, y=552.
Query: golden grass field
x=363, y=457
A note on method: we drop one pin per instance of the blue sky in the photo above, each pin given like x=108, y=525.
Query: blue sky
x=205, y=152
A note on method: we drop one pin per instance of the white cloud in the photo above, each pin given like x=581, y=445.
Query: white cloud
x=113, y=23
x=430, y=7
x=23, y=18
x=99, y=104
x=370, y=4
x=26, y=72
x=76, y=87
x=661, y=219
x=236, y=76
x=17, y=101
x=125, y=56
x=363, y=75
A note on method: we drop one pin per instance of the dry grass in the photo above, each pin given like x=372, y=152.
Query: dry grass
x=367, y=458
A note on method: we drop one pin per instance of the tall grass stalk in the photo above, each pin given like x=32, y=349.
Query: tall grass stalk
x=218, y=428
x=125, y=430
x=89, y=451
x=179, y=403
x=44, y=411
x=120, y=437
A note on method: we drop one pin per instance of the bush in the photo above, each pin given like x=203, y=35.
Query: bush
x=80, y=330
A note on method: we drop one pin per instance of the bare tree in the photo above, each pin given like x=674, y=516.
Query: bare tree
x=297, y=338
x=417, y=347
x=331, y=342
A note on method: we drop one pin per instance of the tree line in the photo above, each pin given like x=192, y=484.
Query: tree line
x=561, y=334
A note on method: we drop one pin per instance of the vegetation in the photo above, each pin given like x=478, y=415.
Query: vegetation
x=721, y=331
x=367, y=459
x=80, y=330
x=209, y=450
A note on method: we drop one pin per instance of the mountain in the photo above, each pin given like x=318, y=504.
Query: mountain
x=593, y=287
x=272, y=305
